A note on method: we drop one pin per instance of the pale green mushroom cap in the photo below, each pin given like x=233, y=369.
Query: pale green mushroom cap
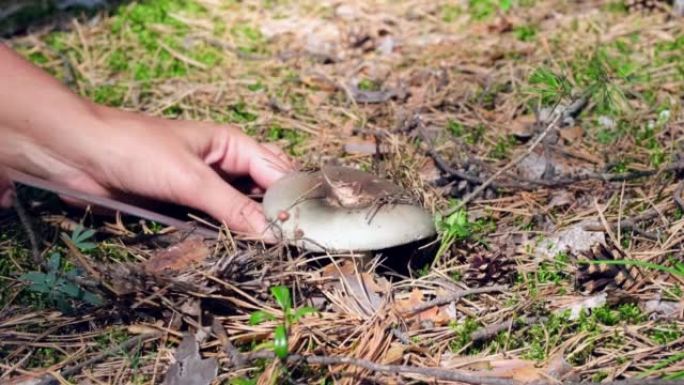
x=314, y=223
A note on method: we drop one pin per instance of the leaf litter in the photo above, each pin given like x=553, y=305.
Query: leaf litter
x=440, y=98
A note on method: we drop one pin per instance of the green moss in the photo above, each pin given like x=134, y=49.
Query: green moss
x=110, y=95
x=450, y=12
x=525, y=32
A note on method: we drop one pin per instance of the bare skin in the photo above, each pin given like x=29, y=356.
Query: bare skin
x=49, y=132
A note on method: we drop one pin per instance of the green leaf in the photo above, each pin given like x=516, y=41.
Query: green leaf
x=33, y=277
x=54, y=262
x=92, y=299
x=70, y=289
x=282, y=297
x=86, y=234
x=302, y=311
x=260, y=316
x=280, y=341
x=86, y=246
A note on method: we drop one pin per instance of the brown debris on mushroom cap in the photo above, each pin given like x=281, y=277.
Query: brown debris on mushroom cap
x=344, y=209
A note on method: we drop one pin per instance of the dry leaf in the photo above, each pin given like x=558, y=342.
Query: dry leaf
x=577, y=303
x=179, y=256
x=360, y=290
x=572, y=134
x=435, y=314
x=394, y=354
x=521, y=127
x=574, y=239
x=663, y=309
x=190, y=368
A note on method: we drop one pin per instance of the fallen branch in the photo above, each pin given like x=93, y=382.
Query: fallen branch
x=454, y=297
x=631, y=224
x=50, y=380
x=440, y=374
x=508, y=166
x=491, y=331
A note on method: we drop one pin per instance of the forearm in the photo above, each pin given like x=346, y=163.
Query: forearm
x=40, y=118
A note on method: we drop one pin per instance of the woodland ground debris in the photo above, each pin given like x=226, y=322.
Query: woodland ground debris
x=450, y=100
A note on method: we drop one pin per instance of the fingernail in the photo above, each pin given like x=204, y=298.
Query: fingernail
x=7, y=199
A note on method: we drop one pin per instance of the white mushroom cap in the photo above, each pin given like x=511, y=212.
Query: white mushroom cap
x=306, y=214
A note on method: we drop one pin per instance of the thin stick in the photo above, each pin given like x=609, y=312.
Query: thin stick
x=77, y=368
x=112, y=204
x=26, y=223
x=507, y=167
x=454, y=297
x=490, y=331
x=441, y=374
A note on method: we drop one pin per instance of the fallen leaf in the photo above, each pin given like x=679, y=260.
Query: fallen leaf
x=360, y=291
x=435, y=314
x=179, y=256
x=663, y=309
x=519, y=370
x=574, y=239
x=190, y=368
x=521, y=126
x=578, y=303
x=394, y=354
x=571, y=134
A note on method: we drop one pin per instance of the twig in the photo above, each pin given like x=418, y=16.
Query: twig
x=630, y=224
x=441, y=374
x=678, y=195
x=490, y=331
x=445, y=168
x=26, y=223
x=228, y=347
x=454, y=297
x=510, y=164
x=50, y=380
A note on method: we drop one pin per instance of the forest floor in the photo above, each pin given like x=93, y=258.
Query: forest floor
x=544, y=136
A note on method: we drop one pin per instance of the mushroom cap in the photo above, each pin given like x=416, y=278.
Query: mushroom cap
x=307, y=215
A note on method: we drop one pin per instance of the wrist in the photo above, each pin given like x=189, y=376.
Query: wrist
x=52, y=143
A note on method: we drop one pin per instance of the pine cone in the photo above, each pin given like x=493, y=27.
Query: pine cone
x=488, y=269
x=592, y=277
x=646, y=5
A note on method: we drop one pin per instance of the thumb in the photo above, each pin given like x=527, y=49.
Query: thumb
x=6, y=190
x=228, y=205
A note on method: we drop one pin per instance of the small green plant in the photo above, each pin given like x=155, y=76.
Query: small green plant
x=369, y=85
x=548, y=85
x=80, y=238
x=482, y=9
x=452, y=228
x=281, y=294
x=463, y=331
x=525, y=32
x=58, y=287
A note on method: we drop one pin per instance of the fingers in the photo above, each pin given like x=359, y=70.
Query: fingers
x=6, y=191
x=235, y=152
x=242, y=155
x=211, y=194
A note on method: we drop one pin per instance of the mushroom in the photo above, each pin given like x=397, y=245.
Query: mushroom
x=342, y=209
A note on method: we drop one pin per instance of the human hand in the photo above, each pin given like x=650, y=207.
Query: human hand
x=49, y=132
x=184, y=162
x=127, y=156
x=6, y=191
